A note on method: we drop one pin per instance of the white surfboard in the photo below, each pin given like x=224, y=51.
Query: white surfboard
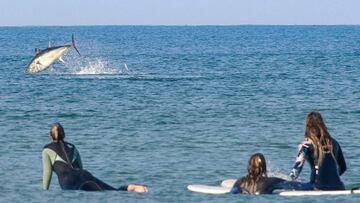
x=318, y=192
x=228, y=183
x=208, y=189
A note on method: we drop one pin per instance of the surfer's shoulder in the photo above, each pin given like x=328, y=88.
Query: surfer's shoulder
x=48, y=145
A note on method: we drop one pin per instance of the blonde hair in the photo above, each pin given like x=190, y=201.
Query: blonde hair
x=316, y=131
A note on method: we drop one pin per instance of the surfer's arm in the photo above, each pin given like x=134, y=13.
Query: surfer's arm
x=236, y=189
x=303, y=152
x=77, y=159
x=47, y=169
x=341, y=161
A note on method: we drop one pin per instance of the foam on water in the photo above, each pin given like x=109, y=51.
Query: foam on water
x=95, y=67
x=88, y=66
x=277, y=173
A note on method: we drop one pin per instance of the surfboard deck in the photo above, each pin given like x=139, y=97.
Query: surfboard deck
x=226, y=185
x=316, y=193
x=207, y=189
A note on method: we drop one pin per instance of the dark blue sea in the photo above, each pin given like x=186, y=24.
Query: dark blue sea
x=190, y=106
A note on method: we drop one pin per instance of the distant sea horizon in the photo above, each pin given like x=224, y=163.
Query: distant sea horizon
x=175, y=25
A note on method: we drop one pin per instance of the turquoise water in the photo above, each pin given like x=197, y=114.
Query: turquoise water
x=192, y=105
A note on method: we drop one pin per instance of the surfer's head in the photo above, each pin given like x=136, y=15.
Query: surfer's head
x=316, y=131
x=257, y=166
x=313, y=121
x=57, y=132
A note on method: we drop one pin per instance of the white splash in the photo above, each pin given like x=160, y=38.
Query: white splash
x=96, y=67
x=273, y=171
x=126, y=68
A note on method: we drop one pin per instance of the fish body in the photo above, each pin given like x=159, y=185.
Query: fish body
x=45, y=58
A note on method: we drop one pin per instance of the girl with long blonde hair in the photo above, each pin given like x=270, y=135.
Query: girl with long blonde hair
x=323, y=153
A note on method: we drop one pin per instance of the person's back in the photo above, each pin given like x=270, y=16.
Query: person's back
x=63, y=158
x=264, y=185
x=324, y=155
x=327, y=175
x=325, y=172
x=257, y=181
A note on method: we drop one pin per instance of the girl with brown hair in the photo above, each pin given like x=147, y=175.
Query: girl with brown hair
x=257, y=181
x=324, y=155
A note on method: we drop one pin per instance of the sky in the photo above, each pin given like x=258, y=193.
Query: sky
x=178, y=12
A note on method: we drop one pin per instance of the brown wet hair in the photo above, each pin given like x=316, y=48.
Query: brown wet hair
x=256, y=171
x=57, y=132
x=257, y=166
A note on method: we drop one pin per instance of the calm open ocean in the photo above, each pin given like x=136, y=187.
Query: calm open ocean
x=190, y=108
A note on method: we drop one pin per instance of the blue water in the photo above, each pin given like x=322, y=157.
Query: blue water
x=192, y=105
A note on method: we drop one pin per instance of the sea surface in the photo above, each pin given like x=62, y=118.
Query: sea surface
x=190, y=106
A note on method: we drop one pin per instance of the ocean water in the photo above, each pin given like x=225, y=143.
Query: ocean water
x=190, y=106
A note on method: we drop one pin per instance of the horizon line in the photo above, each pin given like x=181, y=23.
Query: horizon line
x=179, y=25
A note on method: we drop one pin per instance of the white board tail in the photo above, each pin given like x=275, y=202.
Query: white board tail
x=208, y=189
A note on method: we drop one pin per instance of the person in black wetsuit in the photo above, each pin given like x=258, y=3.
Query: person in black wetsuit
x=257, y=181
x=63, y=158
x=324, y=155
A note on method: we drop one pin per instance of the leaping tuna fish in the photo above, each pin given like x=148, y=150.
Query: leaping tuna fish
x=45, y=58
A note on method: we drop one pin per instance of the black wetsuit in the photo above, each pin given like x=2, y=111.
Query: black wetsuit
x=265, y=185
x=70, y=173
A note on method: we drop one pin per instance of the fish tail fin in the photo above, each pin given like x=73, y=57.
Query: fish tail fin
x=73, y=44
